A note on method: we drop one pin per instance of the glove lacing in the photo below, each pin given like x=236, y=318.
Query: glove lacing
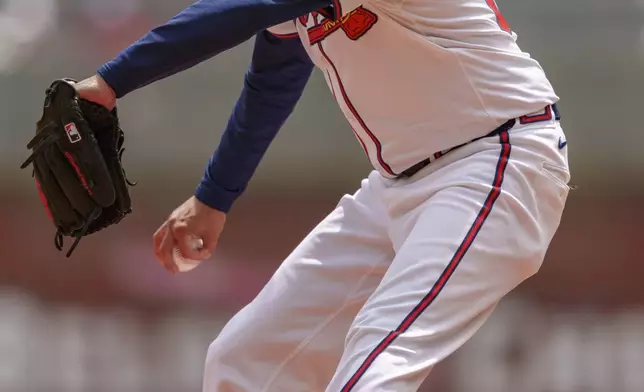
x=59, y=237
x=121, y=150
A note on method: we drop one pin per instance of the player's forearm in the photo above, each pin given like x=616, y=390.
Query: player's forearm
x=199, y=32
x=273, y=85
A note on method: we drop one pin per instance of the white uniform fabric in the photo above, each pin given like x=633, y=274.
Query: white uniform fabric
x=405, y=271
x=401, y=273
x=414, y=77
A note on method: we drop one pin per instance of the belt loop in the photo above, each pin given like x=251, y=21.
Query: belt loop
x=555, y=110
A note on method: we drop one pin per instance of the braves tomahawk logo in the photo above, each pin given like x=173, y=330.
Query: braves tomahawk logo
x=354, y=24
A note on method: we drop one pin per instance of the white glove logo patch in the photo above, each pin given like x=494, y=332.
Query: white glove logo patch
x=72, y=133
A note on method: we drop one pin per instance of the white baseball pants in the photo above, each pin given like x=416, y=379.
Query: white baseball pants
x=400, y=274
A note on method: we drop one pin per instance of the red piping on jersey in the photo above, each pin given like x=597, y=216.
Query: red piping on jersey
x=364, y=148
x=337, y=7
x=483, y=214
x=337, y=10
x=357, y=116
x=285, y=36
x=500, y=19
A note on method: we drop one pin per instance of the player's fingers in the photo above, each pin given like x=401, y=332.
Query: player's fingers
x=163, y=245
x=209, y=243
x=157, y=238
x=167, y=258
x=190, y=245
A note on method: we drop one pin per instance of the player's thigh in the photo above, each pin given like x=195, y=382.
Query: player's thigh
x=303, y=313
x=482, y=230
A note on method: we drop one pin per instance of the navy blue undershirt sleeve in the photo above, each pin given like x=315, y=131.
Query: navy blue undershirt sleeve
x=199, y=32
x=279, y=71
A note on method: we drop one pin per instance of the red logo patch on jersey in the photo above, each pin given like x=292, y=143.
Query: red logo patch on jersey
x=354, y=24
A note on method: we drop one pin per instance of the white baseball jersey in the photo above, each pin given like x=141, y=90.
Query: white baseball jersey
x=414, y=77
x=404, y=271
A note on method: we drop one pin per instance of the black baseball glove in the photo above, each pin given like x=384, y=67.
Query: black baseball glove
x=76, y=157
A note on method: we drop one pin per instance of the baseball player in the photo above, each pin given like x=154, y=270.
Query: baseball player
x=468, y=185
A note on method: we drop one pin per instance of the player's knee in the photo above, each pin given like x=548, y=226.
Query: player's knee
x=230, y=365
x=528, y=267
x=217, y=367
x=532, y=268
x=234, y=341
x=216, y=373
x=214, y=352
x=219, y=352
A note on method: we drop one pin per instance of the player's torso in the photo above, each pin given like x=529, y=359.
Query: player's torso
x=418, y=76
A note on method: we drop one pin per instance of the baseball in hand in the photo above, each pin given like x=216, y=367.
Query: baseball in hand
x=183, y=263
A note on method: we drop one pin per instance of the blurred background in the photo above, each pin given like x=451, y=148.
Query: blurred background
x=110, y=319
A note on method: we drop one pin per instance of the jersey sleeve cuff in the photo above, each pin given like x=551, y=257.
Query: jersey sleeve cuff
x=117, y=82
x=216, y=197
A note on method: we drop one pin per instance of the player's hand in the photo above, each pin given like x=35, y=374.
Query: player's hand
x=97, y=90
x=192, y=218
